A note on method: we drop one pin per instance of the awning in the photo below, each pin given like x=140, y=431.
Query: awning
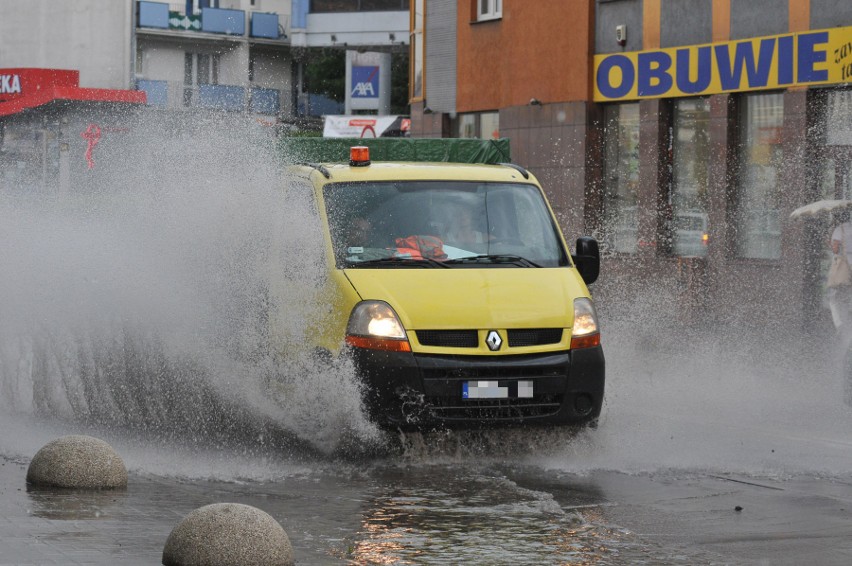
x=25, y=88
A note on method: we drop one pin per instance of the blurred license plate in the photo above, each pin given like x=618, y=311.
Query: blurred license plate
x=493, y=389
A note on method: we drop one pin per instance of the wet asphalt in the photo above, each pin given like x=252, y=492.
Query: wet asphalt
x=396, y=513
x=699, y=459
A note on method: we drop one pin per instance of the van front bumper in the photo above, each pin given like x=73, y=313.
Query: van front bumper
x=424, y=391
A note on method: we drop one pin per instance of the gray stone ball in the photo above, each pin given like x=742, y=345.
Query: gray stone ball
x=77, y=461
x=228, y=533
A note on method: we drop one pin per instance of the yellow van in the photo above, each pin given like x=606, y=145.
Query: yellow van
x=456, y=295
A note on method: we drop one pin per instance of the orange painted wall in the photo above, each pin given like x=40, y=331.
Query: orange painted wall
x=539, y=49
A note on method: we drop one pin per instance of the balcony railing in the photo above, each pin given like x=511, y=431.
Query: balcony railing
x=165, y=16
x=257, y=100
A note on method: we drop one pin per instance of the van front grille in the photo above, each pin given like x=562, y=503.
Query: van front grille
x=518, y=337
x=534, y=336
x=448, y=338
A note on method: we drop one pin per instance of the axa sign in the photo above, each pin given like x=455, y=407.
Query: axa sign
x=10, y=84
x=365, y=82
x=810, y=58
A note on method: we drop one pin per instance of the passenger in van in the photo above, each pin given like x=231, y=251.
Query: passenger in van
x=359, y=233
x=462, y=233
x=360, y=245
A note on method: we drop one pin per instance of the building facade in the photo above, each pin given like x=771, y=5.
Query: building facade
x=67, y=68
x=680, y=133
x=231, y=55
x=225, y=54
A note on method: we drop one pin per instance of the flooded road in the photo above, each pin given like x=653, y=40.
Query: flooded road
x=693, y=463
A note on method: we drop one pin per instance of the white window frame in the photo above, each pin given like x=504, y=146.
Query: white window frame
x=489, y=10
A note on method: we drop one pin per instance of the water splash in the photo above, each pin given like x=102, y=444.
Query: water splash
x=138, y=300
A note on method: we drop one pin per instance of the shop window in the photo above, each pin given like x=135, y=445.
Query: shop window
x=758, y=212
x=489, y=125
x=837, y=112
x=621, y=178
x=29, y=154
x=483, y=125
x=466, y=126
x=489, y=10
x=836, y=166
x=690, y=175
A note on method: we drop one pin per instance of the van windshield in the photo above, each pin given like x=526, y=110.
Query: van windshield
x=441, y=224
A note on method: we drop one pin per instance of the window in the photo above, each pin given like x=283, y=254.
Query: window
x=140, y=62
x=265, y=100
x=198, y=5
x=757, y=213
x=417, y=50
x=489, y=125
x=838, y=108
x=690, y=173
x=371, y=221
x=328, y=6
x=29, y=161
x=489, y=10
x=198, y=69
x=483, y=125
x=835, y=155
x=467, y=126
x=621, y=178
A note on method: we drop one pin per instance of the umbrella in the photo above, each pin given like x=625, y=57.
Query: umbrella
x=819, y=207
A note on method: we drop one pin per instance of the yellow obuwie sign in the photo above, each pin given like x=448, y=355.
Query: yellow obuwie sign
x=818, y=57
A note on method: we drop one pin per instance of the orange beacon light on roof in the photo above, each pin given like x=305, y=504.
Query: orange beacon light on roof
x=359, y=156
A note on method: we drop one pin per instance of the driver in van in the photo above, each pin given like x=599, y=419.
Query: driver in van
x=463, y=233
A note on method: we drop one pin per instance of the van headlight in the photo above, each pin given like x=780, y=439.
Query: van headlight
x=374, y=325
x=586, y=332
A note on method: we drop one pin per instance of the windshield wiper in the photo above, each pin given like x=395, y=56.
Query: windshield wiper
x=397, y=261
x=494, y=258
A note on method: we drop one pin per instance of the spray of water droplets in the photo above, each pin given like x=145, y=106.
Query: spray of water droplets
x=139, y=298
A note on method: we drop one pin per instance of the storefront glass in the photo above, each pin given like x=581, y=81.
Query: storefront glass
x=836, y=179
x=690, y=166
x=466, y=126
x=757, y=215
x=489, y=125
x=483, y=125
x=29, y=155
x=621, y=178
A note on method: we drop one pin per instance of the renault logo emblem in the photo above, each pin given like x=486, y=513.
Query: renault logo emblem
x=493, y=340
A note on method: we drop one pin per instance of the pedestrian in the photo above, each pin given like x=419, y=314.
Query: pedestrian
x=840, y=276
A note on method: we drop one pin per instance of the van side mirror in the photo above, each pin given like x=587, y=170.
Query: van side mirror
x=587, y=259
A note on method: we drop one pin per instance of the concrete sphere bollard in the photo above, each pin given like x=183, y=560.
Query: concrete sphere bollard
x=228, y=533
x=77, y=461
